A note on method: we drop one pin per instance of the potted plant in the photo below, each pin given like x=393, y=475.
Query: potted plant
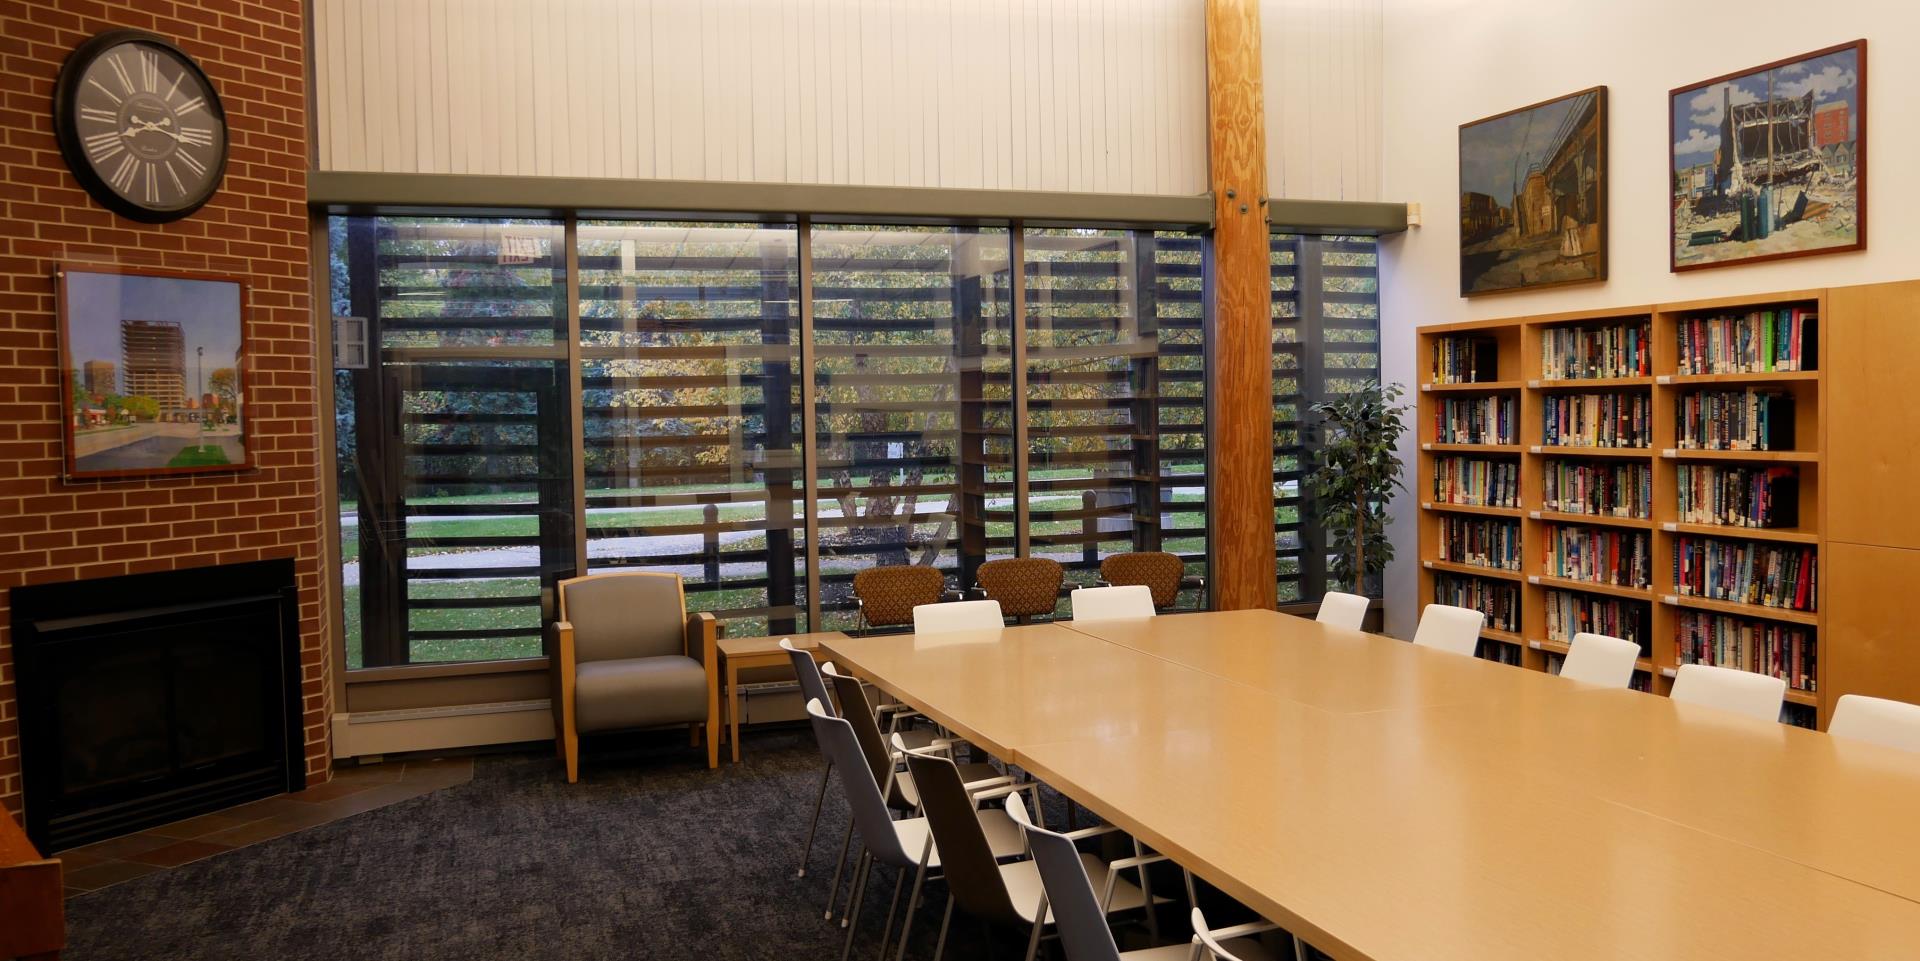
x=1354, y=476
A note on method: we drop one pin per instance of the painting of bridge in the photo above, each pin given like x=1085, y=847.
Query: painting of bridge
x=1533, y=196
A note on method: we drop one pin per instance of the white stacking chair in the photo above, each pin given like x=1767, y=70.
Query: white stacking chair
x=1455, y=630
x=1342, y=610
x=1730, y=689
x=1112, y=603
x=813, y=688
x=1894, y=724
x=1600, y=659
x=1234, y=944
x=945, y=618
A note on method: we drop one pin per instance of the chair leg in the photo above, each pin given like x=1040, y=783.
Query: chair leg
x=1299, y=948
x=839, y=866
x=570, y=747
x=862, y=873
x=1039, y=923
x=886, y=932
x=946, y=919
x=1146, y=894
x=913, y=904
x=806, y=848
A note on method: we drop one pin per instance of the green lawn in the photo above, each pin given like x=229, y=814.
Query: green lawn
x=199, y=455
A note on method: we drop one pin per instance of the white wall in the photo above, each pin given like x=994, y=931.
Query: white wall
x=1451, y=61
x=1072, y=95
x=1320, y=61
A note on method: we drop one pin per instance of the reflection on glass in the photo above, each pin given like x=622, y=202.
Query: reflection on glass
x=455, y=482
x=1115, y=399
x=912, y=349
x=690, y=340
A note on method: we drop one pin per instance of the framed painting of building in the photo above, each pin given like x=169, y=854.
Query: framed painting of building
x=153, y=372
x=1533, y=196
x=1771, y=162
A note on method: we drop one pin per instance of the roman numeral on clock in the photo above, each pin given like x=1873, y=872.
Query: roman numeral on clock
x=190, y=106
x=197, y=136
x=100, y=146
x=120, y=70
x=149, y=71
x=122, y=179
x=153, y=184
x=199, y=169
x=98, y=115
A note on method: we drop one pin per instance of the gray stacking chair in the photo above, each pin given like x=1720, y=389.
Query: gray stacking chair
x=812, y=688
x=1007, y=894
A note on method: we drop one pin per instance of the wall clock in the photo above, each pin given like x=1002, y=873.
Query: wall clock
x=140, y=125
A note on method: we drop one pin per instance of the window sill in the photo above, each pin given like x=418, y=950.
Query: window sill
x=414, y=672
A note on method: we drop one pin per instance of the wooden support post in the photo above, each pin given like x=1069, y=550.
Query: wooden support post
x=1243, y=549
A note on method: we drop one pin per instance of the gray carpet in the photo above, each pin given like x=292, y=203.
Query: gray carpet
x=651, y=855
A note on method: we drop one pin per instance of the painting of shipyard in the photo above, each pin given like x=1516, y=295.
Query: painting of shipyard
x=1533, y=196
x=1772, y=162
x=152, y=372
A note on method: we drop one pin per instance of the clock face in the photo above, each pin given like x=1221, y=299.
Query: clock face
x=141, y=126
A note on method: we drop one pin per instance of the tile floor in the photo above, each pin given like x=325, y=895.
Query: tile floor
x=353, y=789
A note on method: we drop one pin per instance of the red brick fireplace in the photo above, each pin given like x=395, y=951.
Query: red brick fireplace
x=256, y=229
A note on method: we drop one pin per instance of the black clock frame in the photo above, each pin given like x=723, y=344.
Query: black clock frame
x=66, y=126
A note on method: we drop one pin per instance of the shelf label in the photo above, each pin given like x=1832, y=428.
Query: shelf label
x=1534, y=384
x=1663, y=379
x=1429, y=563
x=1669, y=671
x=1426, y=505
x=1533, y=578
x=1534, y=514
x=1426, y=446
x=1536, y=448
x=1669, y=452
x=1669, y=526
x=1426, y=387
x=1535, y=645
x=1670, y=599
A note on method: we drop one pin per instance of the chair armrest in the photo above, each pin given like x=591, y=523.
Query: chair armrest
x=565, y=668
x=952, y=596
x=1113, y=874
x=1101, y=582
x=703, y=639
x=1244, y=930
x=1193, y=580
x=1098, y=830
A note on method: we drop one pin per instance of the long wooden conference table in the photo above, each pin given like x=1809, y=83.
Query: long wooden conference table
x=1393, y=803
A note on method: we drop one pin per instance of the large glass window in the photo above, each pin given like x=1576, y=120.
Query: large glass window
x=1115, y=399
x=1326, y=341
x=691, y=406
x=926, y=411
x=453, y=430
x=913, y=402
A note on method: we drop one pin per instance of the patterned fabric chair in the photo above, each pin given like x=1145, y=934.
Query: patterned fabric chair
x=888, y=595
x=1025, y=586
x=1159, y=571
x=628, y=655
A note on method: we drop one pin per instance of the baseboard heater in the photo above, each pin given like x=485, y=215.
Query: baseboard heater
x=437, y=728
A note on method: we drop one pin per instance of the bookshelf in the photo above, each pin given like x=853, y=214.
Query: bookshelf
x=1598, y=515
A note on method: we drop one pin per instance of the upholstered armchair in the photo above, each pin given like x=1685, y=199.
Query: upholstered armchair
x=628, y=655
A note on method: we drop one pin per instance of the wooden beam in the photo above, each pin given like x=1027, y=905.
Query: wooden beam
x=1243, y=552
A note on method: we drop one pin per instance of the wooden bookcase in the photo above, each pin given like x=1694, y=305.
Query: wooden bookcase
x=1519, y=376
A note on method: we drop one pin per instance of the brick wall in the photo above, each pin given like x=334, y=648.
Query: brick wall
x=255, y=228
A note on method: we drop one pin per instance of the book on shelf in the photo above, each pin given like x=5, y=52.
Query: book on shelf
x=1597, y=555
x=1597, y=420
x=1497, y=652
x=1573, y=612
x=1465, y=359
x=1477, y=420
x=1751, y=419
x=1606, y=488
x=1759, y=341
x=1476, y=481
x=1490, y=542
x=1746, y=572
x=1576, y=353
x=1498, y=600
x=1738, y=495
x=1785, y=651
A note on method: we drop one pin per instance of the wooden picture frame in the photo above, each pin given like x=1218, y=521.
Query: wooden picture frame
x=1718, y=196
x=1533, y=196
x=138, y=395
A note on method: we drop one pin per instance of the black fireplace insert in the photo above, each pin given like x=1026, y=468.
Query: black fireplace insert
x=150, y=698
